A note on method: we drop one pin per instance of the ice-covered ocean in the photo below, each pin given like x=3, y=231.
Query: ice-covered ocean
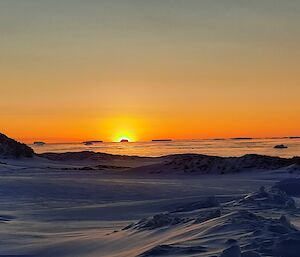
x=219, y=147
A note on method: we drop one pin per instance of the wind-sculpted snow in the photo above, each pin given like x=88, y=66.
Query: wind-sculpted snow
x=208, y=216
x=232, y=251
x=255, y=236
x=6, y=218
x=288, y=245
x=178, y=216
x=157, y=221
x=59, y=208
x=173, y=250
x=208, y=164
x=180, y=163
x=206, y=203
x=238, y=230
x=273, y=198
x=204, y=164
x=289, y=186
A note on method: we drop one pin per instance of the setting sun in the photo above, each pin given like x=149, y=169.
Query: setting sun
x=122, y=137
x=121, y=127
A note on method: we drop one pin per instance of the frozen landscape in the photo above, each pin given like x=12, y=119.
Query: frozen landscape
x=94, y=204
x=134, y=128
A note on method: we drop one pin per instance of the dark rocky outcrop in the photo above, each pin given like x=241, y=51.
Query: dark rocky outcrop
x=9, y=148
x=280, y=146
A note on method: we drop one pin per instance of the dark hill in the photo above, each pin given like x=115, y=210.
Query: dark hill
x=10, y=148
x=204, y=164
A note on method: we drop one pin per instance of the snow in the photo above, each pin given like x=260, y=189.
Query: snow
x=56, y=208
x=232, y=251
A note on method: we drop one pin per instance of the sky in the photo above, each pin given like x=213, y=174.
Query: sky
x=73, y=70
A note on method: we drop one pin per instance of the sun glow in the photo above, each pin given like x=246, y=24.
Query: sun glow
x=124, y=128
x=124, y=137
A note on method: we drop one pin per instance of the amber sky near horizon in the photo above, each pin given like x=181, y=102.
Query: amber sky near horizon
x=74, y=70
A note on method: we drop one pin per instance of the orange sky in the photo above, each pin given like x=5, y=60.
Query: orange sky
x=74, y=70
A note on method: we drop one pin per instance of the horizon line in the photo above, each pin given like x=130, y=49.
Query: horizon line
x=170, y=140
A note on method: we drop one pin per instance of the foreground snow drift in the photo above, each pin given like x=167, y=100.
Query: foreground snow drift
x=82, y=214
x=255, y=225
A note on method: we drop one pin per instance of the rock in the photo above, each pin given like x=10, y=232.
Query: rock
x=280, y=146
x=40, y=143
x=10, y=148
x=232, y=251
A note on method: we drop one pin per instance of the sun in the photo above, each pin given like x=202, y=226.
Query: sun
x=124, y=137
x=122, y=128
